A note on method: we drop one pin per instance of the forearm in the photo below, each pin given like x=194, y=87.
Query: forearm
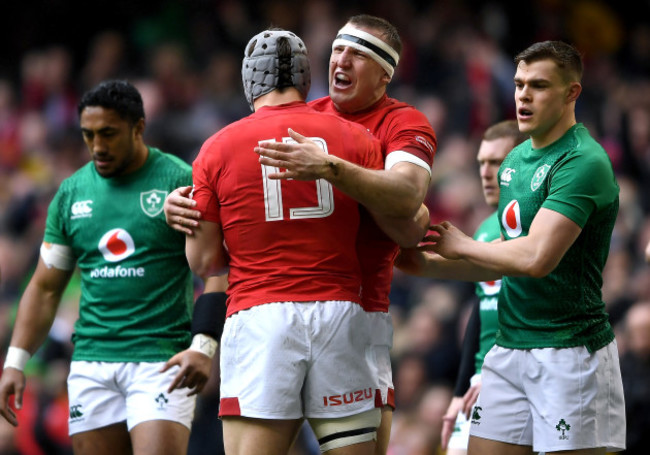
x=387, y=193
x=438, y=267
x=407, y=232
x=534, y=255
x=516, y=257
x=36, y=312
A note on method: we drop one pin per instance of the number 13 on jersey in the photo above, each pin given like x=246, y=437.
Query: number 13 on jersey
x=273, y=204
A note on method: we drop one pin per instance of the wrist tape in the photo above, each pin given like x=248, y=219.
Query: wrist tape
x=204, y=344
x=16, y=358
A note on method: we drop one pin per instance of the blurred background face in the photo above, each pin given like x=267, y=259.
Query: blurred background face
x=638, y=329
x=111, y=141
x=490, y=156
x=356, y=81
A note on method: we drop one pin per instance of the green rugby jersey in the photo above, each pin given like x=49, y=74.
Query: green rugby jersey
x=572, y=176
x=136, y=285
x=488, y=294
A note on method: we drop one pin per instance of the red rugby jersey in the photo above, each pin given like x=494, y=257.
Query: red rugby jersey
x=405, y=135
x=287, y=240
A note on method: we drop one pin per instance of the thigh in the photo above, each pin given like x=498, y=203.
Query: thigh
x=264, y=358
x=383, y=432
x=343, y=376
x=576, y=398
x=502, y=411
x=147, y=397
x=94, y=398
x=160, y=437
x=110, y=440
x=363, y=448
x=244, y=436
x=481, y=446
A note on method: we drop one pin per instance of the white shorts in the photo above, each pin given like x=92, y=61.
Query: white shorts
x=381, y=330
x=292, y=360
x=104, y=393
x=552, y=399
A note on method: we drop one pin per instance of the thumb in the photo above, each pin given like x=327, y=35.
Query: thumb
x=18, y=399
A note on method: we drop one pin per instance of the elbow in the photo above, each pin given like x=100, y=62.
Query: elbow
x=201, y=264
x=408, y=208
x=199, y=267
x=539, y=267
x=409, y=239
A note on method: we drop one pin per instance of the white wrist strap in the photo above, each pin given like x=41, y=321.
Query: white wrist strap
x=16, y=358
x=204, y=344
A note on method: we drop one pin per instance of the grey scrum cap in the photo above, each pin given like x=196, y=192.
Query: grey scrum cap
x=261, y=64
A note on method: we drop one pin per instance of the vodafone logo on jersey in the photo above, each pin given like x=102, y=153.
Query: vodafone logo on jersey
x=116, y=245
x=490, y=287
x=511, y=219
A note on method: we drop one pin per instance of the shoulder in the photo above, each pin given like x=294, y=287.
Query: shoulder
x=399, y=109
x=167, y=159
x=79, y=177
x=321, y=104
x=587, y=151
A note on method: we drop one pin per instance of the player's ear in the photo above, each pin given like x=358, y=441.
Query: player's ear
x=574, y=91
x=138, y=128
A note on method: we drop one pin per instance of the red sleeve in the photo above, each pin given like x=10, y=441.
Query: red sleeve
x=369, y=153
x=411, y=132
x=204, y=184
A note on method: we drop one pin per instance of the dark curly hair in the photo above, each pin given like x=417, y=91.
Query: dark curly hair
x=118, y=95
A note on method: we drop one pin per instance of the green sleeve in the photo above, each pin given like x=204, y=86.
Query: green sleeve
x=581, y=185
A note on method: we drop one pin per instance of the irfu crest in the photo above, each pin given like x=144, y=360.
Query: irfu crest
x=152, y=201
x=539, y=176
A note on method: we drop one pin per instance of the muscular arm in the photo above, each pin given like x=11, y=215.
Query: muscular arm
x=406, y=232
x=36, y=312
x=38, y=306
x=397, y=192
x=421, y=261
x=205, y=252
x=536, y=255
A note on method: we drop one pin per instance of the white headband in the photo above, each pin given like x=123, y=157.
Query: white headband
x=380, y=52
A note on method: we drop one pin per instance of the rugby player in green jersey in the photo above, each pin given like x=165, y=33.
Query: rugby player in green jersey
x=136, y=300
x=552, y=382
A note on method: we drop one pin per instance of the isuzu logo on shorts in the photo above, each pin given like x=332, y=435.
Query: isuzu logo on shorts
x=116, y=245
x=348, y=398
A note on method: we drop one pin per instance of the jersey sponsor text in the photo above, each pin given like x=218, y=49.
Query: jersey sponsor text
x=117, y=272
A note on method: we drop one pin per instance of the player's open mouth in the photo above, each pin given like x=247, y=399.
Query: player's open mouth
x=341, y=80
x=524, y=113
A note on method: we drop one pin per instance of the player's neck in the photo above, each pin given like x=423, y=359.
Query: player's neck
x=277, y=97
x=555, y=132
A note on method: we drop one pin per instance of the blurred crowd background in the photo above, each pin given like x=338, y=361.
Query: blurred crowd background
x=457, y=68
